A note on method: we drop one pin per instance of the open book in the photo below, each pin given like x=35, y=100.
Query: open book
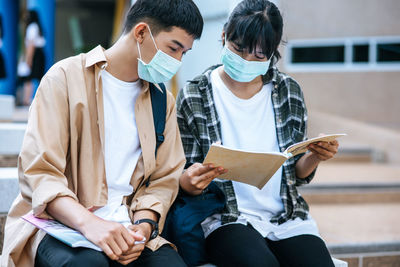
x=256, y=168
x=62, y=232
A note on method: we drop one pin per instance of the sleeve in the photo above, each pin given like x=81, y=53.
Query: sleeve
x=43, y=157
x=188, y=130
x=164, y=184
x=299, y=111
x=32, y=32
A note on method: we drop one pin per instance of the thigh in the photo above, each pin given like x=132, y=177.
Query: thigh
x=302, y=250
x=238, y=245
x=52, y=252
x=165, y=256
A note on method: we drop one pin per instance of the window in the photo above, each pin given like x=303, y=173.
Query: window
x=318, y=54
x=344, y=54
x=388, y=52
x=361, y=53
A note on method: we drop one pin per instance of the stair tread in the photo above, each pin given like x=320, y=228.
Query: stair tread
x=357, y=223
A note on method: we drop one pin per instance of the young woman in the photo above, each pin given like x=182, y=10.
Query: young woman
x=247, y=103
x=34, y=54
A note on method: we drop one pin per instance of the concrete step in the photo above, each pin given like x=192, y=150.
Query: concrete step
x=354, y=183
x=9, y=188
x=357, y=209
x=330, y=173
x=358, y=153
x=7, y=105
x=11, y=138
x=362, y=234
x=20, y=114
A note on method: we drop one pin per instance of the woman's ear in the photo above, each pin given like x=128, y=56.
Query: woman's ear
x=223, y=38
x=139, y=32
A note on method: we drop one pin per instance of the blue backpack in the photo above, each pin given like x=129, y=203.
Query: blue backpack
x=183, y=223
x=159, y=107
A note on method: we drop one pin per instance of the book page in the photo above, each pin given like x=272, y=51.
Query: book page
x=253, y=168
x=301, y=147
x=61, y=232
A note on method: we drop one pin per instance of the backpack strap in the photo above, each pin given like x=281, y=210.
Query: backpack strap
x=159, y=107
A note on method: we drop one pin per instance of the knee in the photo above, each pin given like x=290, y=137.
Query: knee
x=85, y=259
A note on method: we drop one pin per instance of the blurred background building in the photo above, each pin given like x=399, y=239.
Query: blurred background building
x=344, y=54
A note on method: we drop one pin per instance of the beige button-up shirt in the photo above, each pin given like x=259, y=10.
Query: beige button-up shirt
x=63, y=154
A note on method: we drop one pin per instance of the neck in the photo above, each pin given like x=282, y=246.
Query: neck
x=122, y=59
x=244, y=90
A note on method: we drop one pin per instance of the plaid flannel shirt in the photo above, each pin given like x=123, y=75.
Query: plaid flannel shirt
x=200, y=126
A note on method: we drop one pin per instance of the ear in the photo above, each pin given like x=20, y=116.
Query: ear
x=223, y=38
x=139, y=31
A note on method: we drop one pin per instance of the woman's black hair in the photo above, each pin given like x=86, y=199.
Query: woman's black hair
x=255, y=23
x=162, y=15
x=33, y=17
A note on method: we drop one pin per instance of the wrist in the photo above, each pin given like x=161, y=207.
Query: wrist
x=148, y=227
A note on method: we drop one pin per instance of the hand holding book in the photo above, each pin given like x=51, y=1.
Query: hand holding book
x=256, y=168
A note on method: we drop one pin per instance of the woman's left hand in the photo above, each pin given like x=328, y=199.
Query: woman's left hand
x=324, y=150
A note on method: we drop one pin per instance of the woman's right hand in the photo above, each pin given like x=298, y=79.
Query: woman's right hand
x=197, y=177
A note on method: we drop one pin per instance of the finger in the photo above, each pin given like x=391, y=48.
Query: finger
x=115, y=248
x=130, y=256
x=327, y=146
x=134, y=234
x=108, y=251
x=135, y=249
x=128, y=237
x=121, y=243
x=201, y=169
x=321, y=156
x=334, y=143
x=214, y=173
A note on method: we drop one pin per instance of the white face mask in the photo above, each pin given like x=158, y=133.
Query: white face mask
x=161, y=68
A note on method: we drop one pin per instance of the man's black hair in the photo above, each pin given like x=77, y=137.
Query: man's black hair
x=162, y=15
x=255, y=23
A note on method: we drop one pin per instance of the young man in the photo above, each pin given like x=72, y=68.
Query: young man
x=88, y=158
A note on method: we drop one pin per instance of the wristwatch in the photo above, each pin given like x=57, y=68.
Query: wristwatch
x=154, y=226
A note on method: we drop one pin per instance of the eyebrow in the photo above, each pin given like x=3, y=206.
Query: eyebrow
x=178, y=43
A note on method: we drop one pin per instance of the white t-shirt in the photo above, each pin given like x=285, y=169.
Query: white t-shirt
x=33, y=35
x=122, y=146
x=249, y=124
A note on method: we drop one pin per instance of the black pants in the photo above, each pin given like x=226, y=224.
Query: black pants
x=53, y=253
x=240, y=245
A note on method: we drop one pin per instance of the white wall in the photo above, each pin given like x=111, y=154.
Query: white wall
x=206, y=51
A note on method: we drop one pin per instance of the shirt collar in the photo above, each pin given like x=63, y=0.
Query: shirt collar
x=96, y=55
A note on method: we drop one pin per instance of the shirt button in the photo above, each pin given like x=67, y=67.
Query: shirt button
x=279, y=121
x=290, y=182
x=276, y=86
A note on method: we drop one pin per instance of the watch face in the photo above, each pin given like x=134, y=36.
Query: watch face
x=154, y=234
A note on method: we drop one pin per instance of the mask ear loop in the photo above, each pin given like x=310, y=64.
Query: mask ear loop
x=154, y=42
x=151, y=35
x=138, y=47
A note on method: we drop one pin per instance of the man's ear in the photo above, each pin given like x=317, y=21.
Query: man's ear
x=223, y=38
x=139, y=31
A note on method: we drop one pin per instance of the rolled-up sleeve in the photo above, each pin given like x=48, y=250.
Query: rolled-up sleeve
x=163, y=188
x=43, y=157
